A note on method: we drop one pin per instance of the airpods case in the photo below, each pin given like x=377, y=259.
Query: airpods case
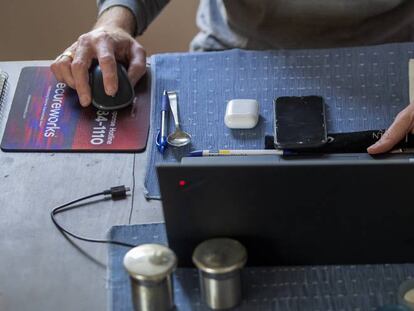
x=242, y=113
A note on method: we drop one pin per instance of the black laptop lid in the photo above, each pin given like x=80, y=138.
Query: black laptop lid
x=293, y=213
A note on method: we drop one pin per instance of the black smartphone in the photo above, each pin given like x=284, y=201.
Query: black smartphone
x=299, y=122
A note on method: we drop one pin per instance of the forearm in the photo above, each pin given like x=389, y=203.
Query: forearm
x=143, y=11
x=117, y=17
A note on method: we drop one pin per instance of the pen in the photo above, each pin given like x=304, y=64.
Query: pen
x=161, y=140
x=248, y=152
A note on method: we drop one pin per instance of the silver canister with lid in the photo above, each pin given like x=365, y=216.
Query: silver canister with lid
x=220, y=262
x=150, y=268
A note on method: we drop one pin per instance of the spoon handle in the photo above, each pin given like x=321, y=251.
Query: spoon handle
x=173, y=97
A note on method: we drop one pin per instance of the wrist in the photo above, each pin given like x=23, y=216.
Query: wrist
x=117, y=17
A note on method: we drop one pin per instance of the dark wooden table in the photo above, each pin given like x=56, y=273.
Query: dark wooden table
x=39, y=268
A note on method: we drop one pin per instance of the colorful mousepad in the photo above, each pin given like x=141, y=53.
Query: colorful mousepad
x=46, y=116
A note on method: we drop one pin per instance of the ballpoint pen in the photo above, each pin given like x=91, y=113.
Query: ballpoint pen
x=245, y=152
x=161, y=140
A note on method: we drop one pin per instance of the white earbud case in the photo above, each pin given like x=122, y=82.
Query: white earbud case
x=242, y=113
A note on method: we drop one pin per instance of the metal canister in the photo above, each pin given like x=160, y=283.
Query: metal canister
x=220, y=262
x=150, y=268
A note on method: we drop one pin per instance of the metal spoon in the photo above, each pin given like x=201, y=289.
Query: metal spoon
x=178, y=138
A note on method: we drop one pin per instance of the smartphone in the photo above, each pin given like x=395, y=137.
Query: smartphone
x=299, y=122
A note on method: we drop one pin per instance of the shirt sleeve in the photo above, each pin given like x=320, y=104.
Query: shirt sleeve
x=144, y=11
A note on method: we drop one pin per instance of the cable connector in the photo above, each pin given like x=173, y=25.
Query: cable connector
x=118, y=192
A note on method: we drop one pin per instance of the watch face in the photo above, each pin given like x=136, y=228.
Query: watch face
x=300, y=122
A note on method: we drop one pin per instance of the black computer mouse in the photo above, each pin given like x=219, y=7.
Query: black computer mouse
x=102, y=101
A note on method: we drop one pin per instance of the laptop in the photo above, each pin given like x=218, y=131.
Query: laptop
x=348, y=209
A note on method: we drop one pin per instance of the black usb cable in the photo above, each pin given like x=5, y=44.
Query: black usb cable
x=116, y=193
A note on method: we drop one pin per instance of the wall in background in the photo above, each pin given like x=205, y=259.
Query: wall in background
x=44, y=28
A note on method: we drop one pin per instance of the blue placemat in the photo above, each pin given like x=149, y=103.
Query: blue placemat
x=364, y=88
x=316, y=288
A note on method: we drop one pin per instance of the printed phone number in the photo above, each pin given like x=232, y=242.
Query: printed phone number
x=99, y=132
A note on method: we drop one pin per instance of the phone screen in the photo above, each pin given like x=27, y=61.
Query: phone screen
x=299, y=122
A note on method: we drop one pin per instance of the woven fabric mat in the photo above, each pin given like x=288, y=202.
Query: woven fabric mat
x=313, y=288
x=364, y=88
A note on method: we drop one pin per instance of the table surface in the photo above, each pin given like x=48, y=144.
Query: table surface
x=39, y=268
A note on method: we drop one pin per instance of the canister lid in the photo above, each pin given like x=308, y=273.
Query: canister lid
x=150, y=262
x=221, y=255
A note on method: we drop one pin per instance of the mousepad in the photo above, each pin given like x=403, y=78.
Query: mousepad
x=46, y=116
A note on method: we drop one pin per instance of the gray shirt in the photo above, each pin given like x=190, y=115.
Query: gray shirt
x=288, y=24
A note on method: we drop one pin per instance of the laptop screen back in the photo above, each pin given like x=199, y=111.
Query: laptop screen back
x=295, y=213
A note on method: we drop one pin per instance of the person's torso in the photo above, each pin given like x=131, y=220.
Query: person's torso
x=267, y=24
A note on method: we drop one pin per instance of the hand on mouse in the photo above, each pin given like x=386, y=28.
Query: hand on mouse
x=110, y=40
x=402, y=125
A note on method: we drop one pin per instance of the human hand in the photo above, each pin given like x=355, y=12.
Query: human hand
x=402, y=125
x=108, y=42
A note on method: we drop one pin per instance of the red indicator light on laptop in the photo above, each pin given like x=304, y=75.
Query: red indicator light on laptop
x=182, y=183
